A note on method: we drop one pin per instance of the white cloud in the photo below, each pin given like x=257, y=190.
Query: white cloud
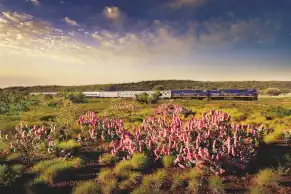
x=16, y=17
x=112, y=13
x=181, y=3
x=26, y=34
x=35, y=2
x=71, y=22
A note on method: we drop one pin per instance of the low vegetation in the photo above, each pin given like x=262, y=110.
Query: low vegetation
x=182, y=146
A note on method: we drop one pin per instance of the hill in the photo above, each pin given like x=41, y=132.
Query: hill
x=159, y=84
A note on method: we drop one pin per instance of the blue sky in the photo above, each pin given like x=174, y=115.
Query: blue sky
x=107, y=41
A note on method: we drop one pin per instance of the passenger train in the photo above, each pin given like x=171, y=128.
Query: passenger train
x=227, y=94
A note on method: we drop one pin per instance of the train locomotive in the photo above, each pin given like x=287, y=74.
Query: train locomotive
x=224, y=94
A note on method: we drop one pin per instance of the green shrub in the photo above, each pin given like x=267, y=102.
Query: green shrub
x=110, y=186
x=50, y=173
x=122, y=169
x=6, y=176
x=106, y=175
x=255, y=190
x=88, y=187
x=215, y=184
x=49, y=170
x=178, y=182
x=139, y=161
x=42, y=165
x=141, y=190
x=107, y=159
x=18, y=169
x=273, y=136
x=168, y=161
x=70, y=144
x=193, y=173
x=267, y=177
x=277, y=112
x=155, y=181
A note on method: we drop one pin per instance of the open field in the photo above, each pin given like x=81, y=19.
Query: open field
x=97, y=161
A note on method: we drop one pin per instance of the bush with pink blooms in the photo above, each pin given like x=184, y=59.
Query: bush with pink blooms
x=212, y=141
x=30, y=142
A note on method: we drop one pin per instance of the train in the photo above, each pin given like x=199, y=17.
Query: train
x=224, y=94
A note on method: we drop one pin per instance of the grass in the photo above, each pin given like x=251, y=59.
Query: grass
x=139, y=161
x=87, y=187
x=108, y=180
x=42, y=165
x=48, y=170
x=18, y=169
x=168, y=161
x=123, y=168
x=267, y=177
x=70, y=144
x=155, y=181
x=6, y=175
x=106, y=175
x=215, y=184
x=107, y=159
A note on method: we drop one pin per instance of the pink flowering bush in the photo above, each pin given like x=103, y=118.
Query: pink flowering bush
x=211, y=141
x=105, y=129
x=30, y=141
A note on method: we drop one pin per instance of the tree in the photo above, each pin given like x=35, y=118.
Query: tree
x=158, y=87
x=66, y=118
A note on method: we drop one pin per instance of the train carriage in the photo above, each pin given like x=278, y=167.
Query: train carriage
x=226, y=94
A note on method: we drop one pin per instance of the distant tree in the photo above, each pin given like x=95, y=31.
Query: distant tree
x=158, y=87
x=75, y=97
x=148, y=99
x=142, y=98
x=271, y=91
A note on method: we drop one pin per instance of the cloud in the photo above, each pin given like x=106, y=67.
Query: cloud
x=158, y=41
x=71, y=22
x=16, y=17
x=182, y=3
x=35, y=2
x=112, y=13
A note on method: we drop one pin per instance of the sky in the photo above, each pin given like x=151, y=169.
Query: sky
x=78, y=42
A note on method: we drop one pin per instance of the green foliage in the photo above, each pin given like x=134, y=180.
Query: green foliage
x=66, y=117
x=131, y=181
x=145, y=98
x=106, y=175
x=6, y=175
x=9, y=175
x=267, y=177
x=87, y=187
x=178, y=182
x=215, y=183
x=139, y=161
x=107, y=159
x=277, y=112
x=52, y=170
x=275, y=91
x=18, y=169
x=108, y=180
x=273, y=136
x=75, y=97
x=4, y=107
x=168, y=161
x=167, y=85
x=154, y=182
x=70, y=144
x=42, y=165
x=122, y=169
